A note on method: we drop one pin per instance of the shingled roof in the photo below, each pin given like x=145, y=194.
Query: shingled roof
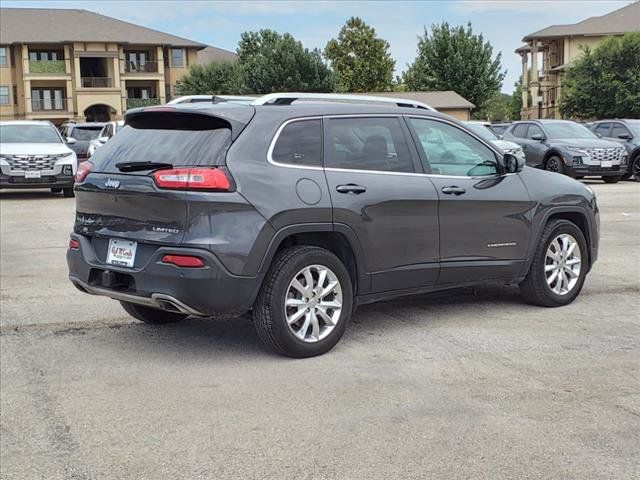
x=49, y=25
x=623, y=20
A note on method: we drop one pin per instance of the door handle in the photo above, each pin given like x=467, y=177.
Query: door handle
x=351, y=188
x=453, y=190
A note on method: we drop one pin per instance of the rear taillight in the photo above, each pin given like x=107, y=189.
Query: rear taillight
x=193, y=179
x=83, y=170
x=185, y=261
x=74, y=244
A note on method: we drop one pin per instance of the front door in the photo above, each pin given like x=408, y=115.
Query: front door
x=371, y=165
x=484, y=216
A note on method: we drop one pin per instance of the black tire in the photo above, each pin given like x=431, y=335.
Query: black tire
x=611, y=179
x=152, y=316
x=56, y=190
x=269, y=312
x=554, y=164
x=534, y=287
x=635, y=169
x=68, y=192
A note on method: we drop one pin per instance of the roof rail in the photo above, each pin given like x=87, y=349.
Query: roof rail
x=289, y=98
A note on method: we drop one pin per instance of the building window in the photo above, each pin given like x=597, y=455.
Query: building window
x=177, y=57
x=15, y=95
x=47, y=99
x=3, y=57
x=4, y=95
x=45, y=55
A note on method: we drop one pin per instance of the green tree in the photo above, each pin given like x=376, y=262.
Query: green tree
x=222, y=78
x=361, y=61
x=496, y=109
x=454, y=58
x=272, y=62
x=515, y=105
x=605, y=81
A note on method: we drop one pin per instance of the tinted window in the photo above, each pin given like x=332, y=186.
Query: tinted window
x=618, y=129
x=452, y=151
x=179, y=147
x=368, y=143
x=29, y=134
x=85, y=133
x=567, y=130
x=520, y=130
x=603, y=129
x=299, y=143
x=534, y=130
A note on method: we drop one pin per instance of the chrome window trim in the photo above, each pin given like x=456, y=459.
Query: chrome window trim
x=375, y=172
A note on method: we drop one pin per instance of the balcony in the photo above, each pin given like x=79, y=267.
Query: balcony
x=142, y=102
x=47, y=66
x=97, y=82
x=49, y=105
x=150, y=66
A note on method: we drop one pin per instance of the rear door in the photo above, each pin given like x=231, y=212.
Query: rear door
x=483, y=215
x=371, y=165
x=112, y=203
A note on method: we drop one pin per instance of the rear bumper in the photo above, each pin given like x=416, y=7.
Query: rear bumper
x=207, y=291
x=49, y=181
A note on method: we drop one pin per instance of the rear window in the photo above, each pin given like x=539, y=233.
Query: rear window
x=85, y=133
x=179, y=146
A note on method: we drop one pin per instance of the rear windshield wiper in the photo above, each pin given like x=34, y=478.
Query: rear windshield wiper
x=139, y=166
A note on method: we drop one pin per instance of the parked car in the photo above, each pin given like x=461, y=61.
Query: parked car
x=108, y=131
x=210, y=99
x=484, y=130
x=500, y=128
x=627, y=133
x=569, y=148
x=81, y=135
x=299, y=211
x=34, y=155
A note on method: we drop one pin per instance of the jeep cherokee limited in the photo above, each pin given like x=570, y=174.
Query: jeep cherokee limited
x=567, y=147
x=299, y=211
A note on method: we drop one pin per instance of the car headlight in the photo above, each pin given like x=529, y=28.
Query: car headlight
x=4, y=161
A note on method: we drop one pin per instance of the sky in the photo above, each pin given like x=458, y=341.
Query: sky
x=502, y=22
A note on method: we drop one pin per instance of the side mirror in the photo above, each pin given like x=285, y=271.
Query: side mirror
x=70, y=140
x=512, y=164
x=103, y=139
x=537, y=137
x=624, y=136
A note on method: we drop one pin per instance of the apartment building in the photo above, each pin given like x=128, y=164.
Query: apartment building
x=60, y=64
x=548, y=52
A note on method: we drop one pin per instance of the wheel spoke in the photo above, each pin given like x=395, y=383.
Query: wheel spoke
x=330, y=304
x=315, y=326
x=322, y=278
x=322, y=313
x=299, y=287
x=570, y=271
x=552, y=277
x=295, y=302
x=572, y=247
x=550, y=267
x=573, y=261
x=296, y=316
x=329, y=289
x=309, y=278
x=302, y=333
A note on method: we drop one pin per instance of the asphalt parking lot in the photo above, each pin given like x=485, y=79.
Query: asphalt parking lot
x=466, y=384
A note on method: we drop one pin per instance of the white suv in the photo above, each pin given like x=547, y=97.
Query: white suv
x=33, y=154
x=108, y=131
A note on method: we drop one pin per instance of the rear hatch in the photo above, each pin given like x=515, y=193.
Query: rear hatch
x=121, y=198
x=83, y=134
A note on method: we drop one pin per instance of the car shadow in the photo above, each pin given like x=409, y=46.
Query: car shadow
x=207, y=338
x=28, y=194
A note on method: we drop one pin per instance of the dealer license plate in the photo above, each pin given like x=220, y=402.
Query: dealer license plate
x=121, y=252
x=606, y=164
x=32, y=174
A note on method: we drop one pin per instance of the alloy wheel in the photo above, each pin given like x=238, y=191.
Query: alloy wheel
x=313, y=303
x=563, y=263
x=552, y=165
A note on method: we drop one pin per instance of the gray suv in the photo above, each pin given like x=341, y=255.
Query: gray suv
x=626, y=133
x=567, y=147
x=300, y=211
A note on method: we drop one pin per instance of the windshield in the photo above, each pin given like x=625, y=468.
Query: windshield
x=482, y=131
x=176, y=147
x=29, y=134
x=568, y=130
x=634, y=125
x=85, y=133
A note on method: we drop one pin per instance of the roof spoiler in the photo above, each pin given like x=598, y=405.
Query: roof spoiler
x=289, y=98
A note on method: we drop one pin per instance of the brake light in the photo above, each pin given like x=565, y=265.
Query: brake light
x=74, y=244
x=186, y=261
x=83, y=170
x=192, y=178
